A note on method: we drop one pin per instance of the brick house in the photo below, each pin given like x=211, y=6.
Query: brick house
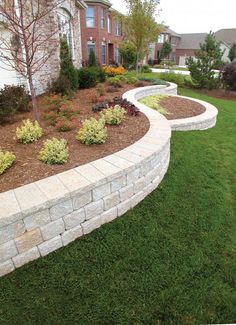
x=65, y=19
x=167, y=35
x=101, y=32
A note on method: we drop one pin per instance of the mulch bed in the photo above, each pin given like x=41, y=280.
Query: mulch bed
x=178, y=108
x=28, y=168
x=220, y=93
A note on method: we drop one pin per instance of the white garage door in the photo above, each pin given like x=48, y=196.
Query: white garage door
x=8, y=76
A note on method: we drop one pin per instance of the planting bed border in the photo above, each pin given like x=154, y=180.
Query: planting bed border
x=41, y=217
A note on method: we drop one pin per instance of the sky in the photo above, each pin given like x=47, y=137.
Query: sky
x=193, y=16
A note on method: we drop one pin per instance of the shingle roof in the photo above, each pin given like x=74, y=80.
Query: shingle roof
x=170, y=31
x=191, y=41
x=227, y=35
x=105, y=2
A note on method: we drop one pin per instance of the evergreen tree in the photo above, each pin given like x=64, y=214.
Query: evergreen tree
x=232, y=53
x=206, y=59
x=67, y=68
x=92, y=59
x=166, y=50
x=128, y=53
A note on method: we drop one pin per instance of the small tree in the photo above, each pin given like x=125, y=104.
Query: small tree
x=128, y=54
x=228, y=76
x=92, y=59
x=141, y=28
x=232, y=53
x=67, y=68
x=206, y=59
x=166, y=50
x=27, y=45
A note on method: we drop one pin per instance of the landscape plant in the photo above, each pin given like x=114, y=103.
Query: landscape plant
x=165, y=51
x=228, y=76
x=87, y=77
x=232, y=53
x=153, y=101
x=54, y=151
x=208, y=58
x=29, y=131
x=7, y=158
x=92, y=131
x=128, y=53
x=113, y=115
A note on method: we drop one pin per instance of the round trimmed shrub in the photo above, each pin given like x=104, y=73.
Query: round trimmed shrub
x=92, y=131
x=6, y=160
x=54, y=151
x=29, y=131
x=113, y=115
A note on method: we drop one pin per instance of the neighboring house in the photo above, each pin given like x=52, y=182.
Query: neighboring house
x=167, y=35
x=66, y=20
x=101, y=32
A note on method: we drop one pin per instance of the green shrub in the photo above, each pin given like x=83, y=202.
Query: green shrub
x=92, y=59
x=13, y=99
x=61, y=86
x=113, y=115
x=132, y=80
x=87, y=78
x=29, y=131
x=67, y=68
x=92, y=132
x=176, y=78
x=114, y=81
x=154, y=81
x=145, y=69
x=153, y=101
x=54, y=151
x=6, y=160
x=99, y=73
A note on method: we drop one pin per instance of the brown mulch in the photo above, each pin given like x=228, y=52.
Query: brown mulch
x=178, y=108
x=220, y=93
x=28, y=168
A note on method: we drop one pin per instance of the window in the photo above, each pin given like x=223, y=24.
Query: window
x=161, y=38
x=104, y=53
x=109, y=24
x=64, y=25
x=90, y=17
x=103, y=18
x=91, y=47
x=117, y=56
x=118, y=29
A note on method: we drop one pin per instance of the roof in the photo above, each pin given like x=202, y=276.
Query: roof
x=81, y=4
x=227, y=35
x=105, y=2
x=191, y=41
x=170, y=31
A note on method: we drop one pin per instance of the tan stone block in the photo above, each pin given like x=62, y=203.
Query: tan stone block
x=28, y=240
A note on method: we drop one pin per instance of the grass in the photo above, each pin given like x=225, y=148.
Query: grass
x=171, y=260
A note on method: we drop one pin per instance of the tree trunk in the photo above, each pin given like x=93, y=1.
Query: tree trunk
x=33, y=98
x=137, y=60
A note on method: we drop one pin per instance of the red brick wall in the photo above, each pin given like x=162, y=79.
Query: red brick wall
x=98, y=34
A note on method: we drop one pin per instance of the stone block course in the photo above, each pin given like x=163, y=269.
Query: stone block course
x=11, y=231
x=28, y=240
x=7, y=251
x=53, y=229
x=101, y=191
x=111, y=200
x=92, y=224
x=109, y=215
x=37, y=220
x=93, y=209
x=26, y=257
x=50, y=245
x=71, y=235
x=79, y=201
x=126, y=192
x=6, y=267
x=74, y=219
x=61, y=209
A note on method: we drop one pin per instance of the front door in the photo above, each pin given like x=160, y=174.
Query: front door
x=110, y=53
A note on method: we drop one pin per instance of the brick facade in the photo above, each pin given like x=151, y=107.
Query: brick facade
x=99, y=35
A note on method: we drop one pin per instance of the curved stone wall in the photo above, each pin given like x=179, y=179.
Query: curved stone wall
x=43, y=216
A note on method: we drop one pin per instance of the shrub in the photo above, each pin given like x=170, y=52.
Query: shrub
x=64, y=124
x=132, y=80
x=13, y=99
x=61, y=86
x=177, y=78
x=54, y=151
x=92, y=132
x=114, y=81
x=29, y=131
x=153, y=81
x=139, y=84
x=145, y=69
x=92, y=59
x=67, y=68
x=114, y=71
x=113, y=115
x=100, y=90
x=6, y=160
x=60, y=107
x=129, y=54
x=228, y=76
x=87, y=78
x=100, y=74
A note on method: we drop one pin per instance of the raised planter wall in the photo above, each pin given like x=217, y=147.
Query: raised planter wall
x=41, y=217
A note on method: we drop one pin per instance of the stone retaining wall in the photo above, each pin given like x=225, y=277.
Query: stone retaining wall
x=40, y=217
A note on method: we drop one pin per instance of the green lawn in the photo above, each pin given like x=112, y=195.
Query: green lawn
x=171, y=260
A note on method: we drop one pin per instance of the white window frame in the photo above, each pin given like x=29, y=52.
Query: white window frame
x=104, y=57
x=90, y=18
